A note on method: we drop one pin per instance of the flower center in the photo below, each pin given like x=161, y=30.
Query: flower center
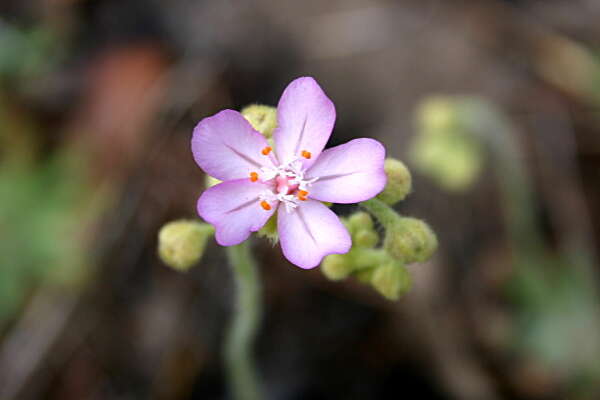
x=287, y=183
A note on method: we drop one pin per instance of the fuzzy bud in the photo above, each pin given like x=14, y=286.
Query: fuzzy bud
x=359, y=221
x=181, y=244
x=399, y=182
x=437, y=113
x=446, y=148
x=262, y=118
x=336, y=267
x=391, y=280
x=410, y=240
x=366, y=238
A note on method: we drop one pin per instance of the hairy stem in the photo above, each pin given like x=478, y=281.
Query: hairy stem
x=384, y=213
x=239, y=363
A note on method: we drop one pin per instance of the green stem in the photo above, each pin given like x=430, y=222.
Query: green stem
x=239, y=362
x=363, y=258
x=515, y=187
x=526, y=238
x=384, y=213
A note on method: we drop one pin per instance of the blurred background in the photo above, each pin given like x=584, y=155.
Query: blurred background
x=493, y=105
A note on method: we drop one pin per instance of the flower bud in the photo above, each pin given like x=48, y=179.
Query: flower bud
x=181, y=244
x=391, y=280
x=437, y=114
x=446, y=148
x=399, y=182
x=410, y=240
x=359, y=221
x=336, y=267
x=366, y=238
x=262, y=118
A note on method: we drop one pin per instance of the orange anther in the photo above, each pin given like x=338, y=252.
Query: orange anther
x=302, y=195
x=306, y=154
x=266, y=206
x=266, y=150
x=253, y=176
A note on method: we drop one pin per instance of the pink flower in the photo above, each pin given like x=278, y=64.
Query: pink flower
x=292, y=179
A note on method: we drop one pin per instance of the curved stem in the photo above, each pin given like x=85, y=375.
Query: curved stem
x=384, y=213
x=239, y=363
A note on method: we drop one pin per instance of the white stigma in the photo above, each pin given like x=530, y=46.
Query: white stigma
x=294, y=172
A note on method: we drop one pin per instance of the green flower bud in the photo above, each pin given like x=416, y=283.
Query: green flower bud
x=366, y=238
x=210, y=181
x=446, y=148
x=391, y=280
x=410, y=240
x=399, y=182
x=269, y=230
x=336, y=267
x=359, y=221
x=181, y=244
x=262, y=118
x=454, y=161
x=437, y=113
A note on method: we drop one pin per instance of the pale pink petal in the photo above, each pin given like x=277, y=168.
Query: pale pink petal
x=348, y=173
x=310, y=232
x=226, y=146
x=305, y=119
x=233, y=207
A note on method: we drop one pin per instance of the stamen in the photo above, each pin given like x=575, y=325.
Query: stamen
x=306, y=154
x=253, y=176
x=289, y=201
x=268, y=173
x=302, y=195
x=266, y=150
x=286, y=185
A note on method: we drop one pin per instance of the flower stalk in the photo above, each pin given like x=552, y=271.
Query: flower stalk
x=239, y=361
x=384, y=213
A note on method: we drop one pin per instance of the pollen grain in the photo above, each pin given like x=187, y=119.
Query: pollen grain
x=266, y=151
x=306, y=154
x=302, y=195
x=265, y=205
x=253, y=176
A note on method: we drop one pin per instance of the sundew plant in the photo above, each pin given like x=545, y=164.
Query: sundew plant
x=269, y=172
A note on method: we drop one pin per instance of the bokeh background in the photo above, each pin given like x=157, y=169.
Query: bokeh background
x=98, y=99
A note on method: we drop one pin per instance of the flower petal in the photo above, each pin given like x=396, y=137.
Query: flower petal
x=226, y=146
x=310, y=232
x=305, y=119
x=349, y=173
x=233, y=207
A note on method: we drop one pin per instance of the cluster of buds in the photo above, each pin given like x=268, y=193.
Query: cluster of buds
x=374, y=259
x=445, y=148
x=381, y=261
